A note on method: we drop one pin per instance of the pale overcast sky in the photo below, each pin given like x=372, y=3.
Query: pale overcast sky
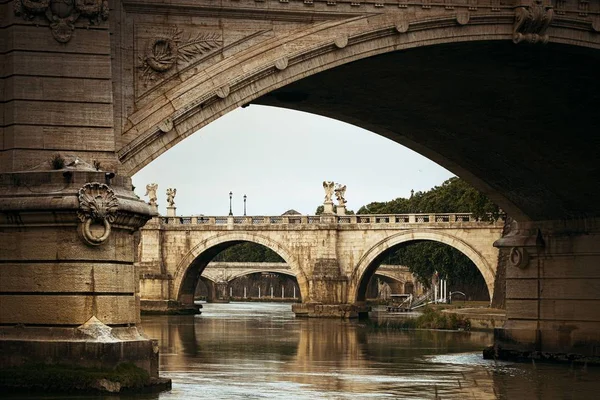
x=279, y=158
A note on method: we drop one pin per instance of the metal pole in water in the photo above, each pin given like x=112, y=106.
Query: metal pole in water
x=230, y=291
x=259, y=292
x=244, y=291
x=282, y=291
x=271, y=291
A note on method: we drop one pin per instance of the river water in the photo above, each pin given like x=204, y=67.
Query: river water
x=261, y=351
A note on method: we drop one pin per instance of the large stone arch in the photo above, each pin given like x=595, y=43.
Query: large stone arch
x=285, y=59
x=365, y=267
x=181, y=272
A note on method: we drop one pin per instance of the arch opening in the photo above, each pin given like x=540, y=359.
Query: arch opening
x=261, y=286
x=426, y=254
x=237, y=249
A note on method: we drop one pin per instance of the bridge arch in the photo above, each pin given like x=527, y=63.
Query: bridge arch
x=258, y=271
x=275, y=63
x=191, y=265
x=367, y=265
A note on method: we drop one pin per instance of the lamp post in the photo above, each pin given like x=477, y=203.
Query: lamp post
x=245, y=197
x=230, y=195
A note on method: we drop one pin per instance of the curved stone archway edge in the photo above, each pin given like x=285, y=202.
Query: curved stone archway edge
x=365, y=263
x=218, y=239
x=267, y=66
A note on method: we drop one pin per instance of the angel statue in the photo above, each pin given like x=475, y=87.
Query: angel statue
x=171, y=196
x=340, y=192
x=151, y=189
x=328, y=186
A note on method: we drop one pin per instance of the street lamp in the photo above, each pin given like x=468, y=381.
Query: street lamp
x=245, y=197
x=230, y=195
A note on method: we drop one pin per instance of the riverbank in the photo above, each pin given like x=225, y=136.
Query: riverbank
x=479, y=318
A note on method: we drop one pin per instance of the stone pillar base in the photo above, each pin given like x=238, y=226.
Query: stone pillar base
x=318, y=310
x=67, y=348
x=544, y=345
x=168, y=307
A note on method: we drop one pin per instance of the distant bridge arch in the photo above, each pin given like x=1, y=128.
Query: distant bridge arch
x=191, y=265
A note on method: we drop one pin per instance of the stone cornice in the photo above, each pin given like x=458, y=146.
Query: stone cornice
x=50, y=198
x=321, y=10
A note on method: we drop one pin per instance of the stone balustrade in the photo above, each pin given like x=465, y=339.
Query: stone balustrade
x=440, y=218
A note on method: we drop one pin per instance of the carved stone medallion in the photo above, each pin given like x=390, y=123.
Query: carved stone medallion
x=97, y=205
x=62, y=14
x=164, y=51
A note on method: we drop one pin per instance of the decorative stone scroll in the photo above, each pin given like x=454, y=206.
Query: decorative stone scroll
x=97, y=204
x=165, y=51
x=532, y=22
x=63, y=14
x=521, y=241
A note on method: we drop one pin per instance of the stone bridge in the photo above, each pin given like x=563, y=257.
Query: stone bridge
x=219, y=275
x=333, y=257
x=504, y=93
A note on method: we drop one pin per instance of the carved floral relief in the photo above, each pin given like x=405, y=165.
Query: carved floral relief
x=63, y=14
x=165, y=51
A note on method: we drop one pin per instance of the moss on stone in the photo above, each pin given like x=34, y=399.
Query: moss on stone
x=68, y=378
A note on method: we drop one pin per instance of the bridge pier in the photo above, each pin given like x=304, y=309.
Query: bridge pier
x=552, y=292
x=328, y=294
x=68, y=287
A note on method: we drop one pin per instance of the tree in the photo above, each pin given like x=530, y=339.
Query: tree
x=454, y=195
x=248, y=252
x=424, y=258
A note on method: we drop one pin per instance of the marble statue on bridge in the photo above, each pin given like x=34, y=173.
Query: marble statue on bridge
x=151, y=189
x=171, y=196
x=340, y=192
x=329, y=187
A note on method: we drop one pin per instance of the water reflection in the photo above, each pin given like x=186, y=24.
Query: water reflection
x=260, y=351
x=257, y=351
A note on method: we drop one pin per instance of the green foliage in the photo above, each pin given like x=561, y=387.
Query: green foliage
x=426, y=257
x=452, y=196
x=65, y=378
x=57, y=162
x=429, y=319
x=248, y=252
